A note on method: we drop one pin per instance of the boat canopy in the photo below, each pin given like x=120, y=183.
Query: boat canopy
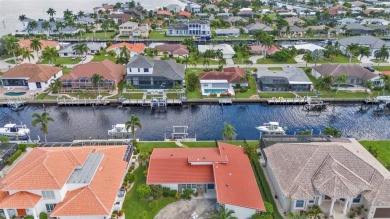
x=9, y=125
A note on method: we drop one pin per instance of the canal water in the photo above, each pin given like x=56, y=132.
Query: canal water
x=203, y=120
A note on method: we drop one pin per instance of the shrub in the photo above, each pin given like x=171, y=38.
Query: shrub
x=177, y=195
x=173, y=193
x=22, y=147
x=243, y=89
x=166, y=192
x=213, y=95
x=229, y=94
x=130, y=177
x=29, y=217
x=15, y=156
x=42, y=215
x=144, y=191
x=131, y=168
x=157, y=191
x=187, y=193
x=120, y=213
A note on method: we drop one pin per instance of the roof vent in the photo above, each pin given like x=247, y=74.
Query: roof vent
x=227, y=185
x=171, y=155
x=204, y=158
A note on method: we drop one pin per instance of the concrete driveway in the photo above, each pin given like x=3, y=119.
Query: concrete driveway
x=255, y=58
x=204, y=208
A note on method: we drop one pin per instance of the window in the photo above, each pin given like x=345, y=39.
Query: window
x=48, y=194
x=357, y=199
x=210, y=186
x=146, y=70
x=299, y=203
x=50, y=207
x=138, y=70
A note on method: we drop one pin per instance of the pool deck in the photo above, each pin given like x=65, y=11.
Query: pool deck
x=27, y=95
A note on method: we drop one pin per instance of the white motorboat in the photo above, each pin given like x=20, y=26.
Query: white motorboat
x=271, y=128
x=119, y=130
x=15, y=132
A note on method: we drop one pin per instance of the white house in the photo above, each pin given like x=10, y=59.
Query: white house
x=222, y=82
x=226, y=49
x=336, y=175
x=199, y=28
x=65, y=182
x=223, y=172
x=30, y=76
x=193, y=7
x=127, y=28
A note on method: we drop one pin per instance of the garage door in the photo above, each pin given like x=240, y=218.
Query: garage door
x=382, y=213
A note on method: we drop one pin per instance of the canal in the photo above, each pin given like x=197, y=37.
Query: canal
x=203, y=120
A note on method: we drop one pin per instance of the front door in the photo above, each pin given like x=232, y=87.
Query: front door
x=21, y=212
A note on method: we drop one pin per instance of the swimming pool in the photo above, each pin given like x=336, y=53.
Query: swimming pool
x=214, y=91
x=11, y=93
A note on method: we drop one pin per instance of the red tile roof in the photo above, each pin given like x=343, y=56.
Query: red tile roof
x=20, y=200
x=106, y=68
x=163, y=12
x=185, y=14
x=25, y=43
x=270, y=50
x=136, y=47
x=176, y=49
x=231, y=74
x=226, y=166
x=34, y=72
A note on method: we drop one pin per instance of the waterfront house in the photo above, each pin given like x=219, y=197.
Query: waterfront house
x=218, y=82
x=65, y=182
x=80, y=77
x=354, y=29
x=132, y=48
x=215, y=172
x=356, y=73
x=287, y=79
x=51, y=30
x=234, y=20
x=127, y=28
x=294, y=21
x=93, y=48
x=337, y=175
x=263, y=50
x=146, y=73
x=30, y=76
x=174, y=7
x=211, y=8
x=226, y=49
x=246, y=12
x=120, y=18
x=163, y=13
x=251, y=28
x=234, y=32
x=184, y=15
x=193, y=7
x=371, y=42
x=174, y=50
x=104, y=8
x=25, y=43
x=199, y=28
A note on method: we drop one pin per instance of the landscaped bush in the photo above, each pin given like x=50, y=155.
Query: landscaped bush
x=15, y=156
x=42, y=215
x=28, y=217
x=166, y=192
x=187, y=193
x=213, y=95
x=120, y=213
x=243, y=89
x=130, y=177
x=172, y=193
x=157, y=191
x=22, y=147
x=144, y=191
x=131, y=169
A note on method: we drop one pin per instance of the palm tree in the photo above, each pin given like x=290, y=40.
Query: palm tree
x=329, y=130
x=186, y=60
x=22, y=17
x=222, y=61
x=50, y=54
x=317, y=55
x=36, y=45
x=97, y=80
x=81, y=49
x=68, y=14
x=31, y=26
x=12, y=46
x=363, y=51
x=134, y=122
x=55, y=85
x=382, y=53
x=224, y=213
x=51, y=12
x=341, y=79
x=59, y=26
x=44, y=120
x=228, y=132
x=105, y=26
x=46, y=26
x=27, y=54
x=352, y=49
x=81, y=14
x=206, y=62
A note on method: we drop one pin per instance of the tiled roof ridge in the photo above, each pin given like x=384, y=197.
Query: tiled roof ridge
x=107, y=67
x=303, y=168
x=378, y=190
x=81, y=189
x=29, y=197
x=353, y=173
x=97, y=198
x=72, y=158
x=50, y=173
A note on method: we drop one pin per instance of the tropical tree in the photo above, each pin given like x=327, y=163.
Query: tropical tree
x=12, y=46
x=36, y=45
x=386, y=81
x=341, y=79
x=317, y=55
x=228, y=132
x=186, y=60
x=382, y=53
x=134, y=122
x=193, y=81
x=81, y=49
x=206, y=62
x=143, y=158
x=46, y=26
x=50, y=54
x=314, y=212
x=97, y=80
x=55, y=85
x=31, y=26
x=363, y=51
x=352, y=50
x=42, y=119
x=27, y=54
x=124, y=56
x=105, y=26
x=329, y=130
x=22, y=17
x=51, y=12
x=222, y=61
x=223, y=213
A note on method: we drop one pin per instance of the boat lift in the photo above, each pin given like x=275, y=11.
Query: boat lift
x=179, y=133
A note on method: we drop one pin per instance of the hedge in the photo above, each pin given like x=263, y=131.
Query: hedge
x=15, y=156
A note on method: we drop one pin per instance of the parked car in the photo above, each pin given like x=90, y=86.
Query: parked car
x=371, y=69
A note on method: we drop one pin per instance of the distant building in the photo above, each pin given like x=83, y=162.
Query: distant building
x=288, y=79
x=146, y=73
x=193, y=8
x=25, y=43
x=174, y=7
x=133, y=29
x=226, y=49
x=198, y=28
x=132, y=48
x=175, y=50
x=251, y=28
x=93, y=48
x=227, y=32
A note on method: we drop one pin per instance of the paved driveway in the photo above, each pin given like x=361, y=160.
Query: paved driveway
x=183, y=209
x=255, y=58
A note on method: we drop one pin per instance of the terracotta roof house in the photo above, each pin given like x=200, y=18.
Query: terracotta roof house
x=294, y=21
x=212, y=171
x=30, y=76
x=81, y=75
x=184, y=14
x=336, y=175
x=222, y=82
x=164, y=13
x=357, y=74
x=65, y=182
x=176, y=50
x=133, y=48
x=146, y=73
x=25, y=43
x=122, y=18
x=260, y=49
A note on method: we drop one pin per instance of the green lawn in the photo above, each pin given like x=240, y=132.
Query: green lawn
x=136, y=208
x=337, y=59
x=276, y=94
x=148, y=146
x=200, y=60
x=383, y=148
x=62, y=61
x=161, y=35
x=240, y=58
x=11, y=61
x=66, y=70
x=252, y=90
x=103, y=57
x=378, y=61
x=382, y=68
x=98, y=35
x=275, y=68
x=241, y=37
x=45, y=96
x=274, y=61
